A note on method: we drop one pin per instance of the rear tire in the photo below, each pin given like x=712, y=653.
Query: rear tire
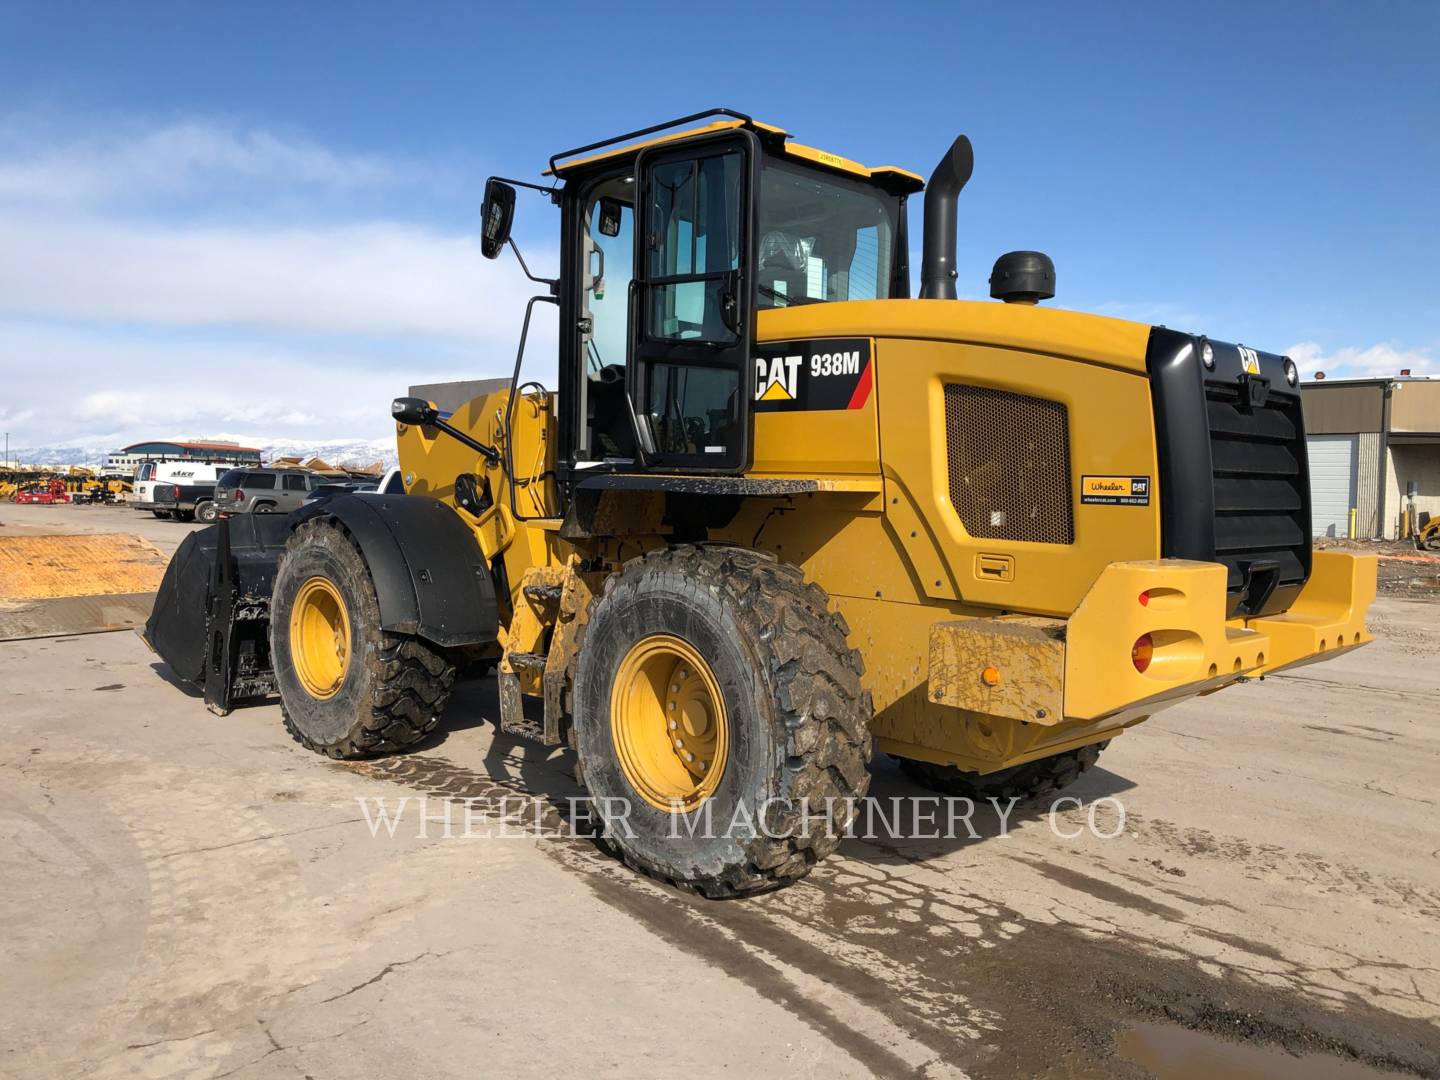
x=391, y=688
x=264, y=508
x=1033, y=780
x=794, y=718
x=207, y=512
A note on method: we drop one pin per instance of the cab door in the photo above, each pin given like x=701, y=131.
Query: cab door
x=691, y=328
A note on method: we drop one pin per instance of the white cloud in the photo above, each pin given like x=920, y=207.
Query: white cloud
x=65, y=386
x=1351, y=362
x=369, y=278
x=127, y=162
x=123, y=317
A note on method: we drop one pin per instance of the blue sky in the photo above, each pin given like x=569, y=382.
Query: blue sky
x=259, y=219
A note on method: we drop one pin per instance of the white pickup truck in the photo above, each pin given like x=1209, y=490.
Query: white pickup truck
x=183, y=490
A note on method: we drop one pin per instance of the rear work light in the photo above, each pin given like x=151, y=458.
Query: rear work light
x=1142, y=652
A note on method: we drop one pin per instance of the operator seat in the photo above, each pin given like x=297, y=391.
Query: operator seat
x=784, y=263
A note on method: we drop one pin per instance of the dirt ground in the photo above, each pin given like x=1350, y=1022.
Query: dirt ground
x=187, y=895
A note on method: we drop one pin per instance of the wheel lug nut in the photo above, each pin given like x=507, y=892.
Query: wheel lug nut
x=673, y=724
x=674, y=688
x=688, y=756
x=679, y=744
x=704, y=765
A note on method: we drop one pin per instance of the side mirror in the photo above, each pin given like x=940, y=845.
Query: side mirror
x=496, y=216
x=610, y=216
x=413, y=411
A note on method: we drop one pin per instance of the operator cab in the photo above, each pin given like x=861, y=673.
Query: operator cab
x=671, y=246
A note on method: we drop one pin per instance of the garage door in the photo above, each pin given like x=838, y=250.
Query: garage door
x=1333, y=461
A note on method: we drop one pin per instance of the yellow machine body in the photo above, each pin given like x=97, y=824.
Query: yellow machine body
x=981, y=653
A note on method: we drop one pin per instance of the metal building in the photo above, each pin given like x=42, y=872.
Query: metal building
x=123, y=461
x=1373, y=442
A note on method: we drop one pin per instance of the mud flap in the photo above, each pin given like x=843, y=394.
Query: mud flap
x=211, y=618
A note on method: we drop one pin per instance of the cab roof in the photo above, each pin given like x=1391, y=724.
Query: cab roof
x=776, y=139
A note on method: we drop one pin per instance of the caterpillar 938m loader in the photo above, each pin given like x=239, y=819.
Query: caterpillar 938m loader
x=780, y=513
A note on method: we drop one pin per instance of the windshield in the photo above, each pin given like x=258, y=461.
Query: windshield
x=823, y=238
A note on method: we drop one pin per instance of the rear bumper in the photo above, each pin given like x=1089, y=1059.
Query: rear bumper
x=1196, y=649
x=1078, y=678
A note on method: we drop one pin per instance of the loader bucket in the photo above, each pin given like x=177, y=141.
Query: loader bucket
x=59, y=585
x=212, y=614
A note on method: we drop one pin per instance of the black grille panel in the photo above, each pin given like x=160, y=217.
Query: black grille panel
x=1234, y=476
x=1260, y=447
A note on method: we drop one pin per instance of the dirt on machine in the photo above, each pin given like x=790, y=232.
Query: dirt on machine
x=779, y=515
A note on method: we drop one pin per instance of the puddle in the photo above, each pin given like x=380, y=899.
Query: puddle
x=1175, y=1053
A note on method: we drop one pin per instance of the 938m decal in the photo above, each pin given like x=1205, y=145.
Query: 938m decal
x=811, y=375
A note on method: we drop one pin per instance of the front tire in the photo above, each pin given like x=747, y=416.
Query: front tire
x=347, y=688
x=749, y=664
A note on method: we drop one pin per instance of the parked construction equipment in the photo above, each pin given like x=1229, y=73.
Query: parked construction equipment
x=43, y=493
x=780, y=514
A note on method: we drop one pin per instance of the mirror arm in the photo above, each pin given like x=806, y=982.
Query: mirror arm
x=553, y=191
x=489, y=453
x=553, y=284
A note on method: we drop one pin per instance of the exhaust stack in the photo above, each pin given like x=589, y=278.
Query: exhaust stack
x=937, y=268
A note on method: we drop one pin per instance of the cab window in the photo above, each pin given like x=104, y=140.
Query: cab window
x=607, y=266
x=694, y=242
x=822, y=238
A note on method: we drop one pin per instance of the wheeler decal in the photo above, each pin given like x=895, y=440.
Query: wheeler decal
x=1115, y=490
x=834, y=373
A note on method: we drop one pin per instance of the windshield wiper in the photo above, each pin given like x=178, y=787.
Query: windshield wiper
x=790, y=301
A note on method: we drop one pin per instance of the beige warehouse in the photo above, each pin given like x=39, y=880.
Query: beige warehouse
x=1374, y=448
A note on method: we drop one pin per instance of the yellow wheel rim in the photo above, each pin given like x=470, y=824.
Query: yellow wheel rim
x=320, y=638
x=667, y=720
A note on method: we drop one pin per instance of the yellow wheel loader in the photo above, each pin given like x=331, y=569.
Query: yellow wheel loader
x=778, y=514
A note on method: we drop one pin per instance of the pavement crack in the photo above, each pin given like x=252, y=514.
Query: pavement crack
x=382, y=973
x=175, y=1038
x=258, y=839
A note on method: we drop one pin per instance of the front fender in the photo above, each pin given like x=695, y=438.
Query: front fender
x=430, y=576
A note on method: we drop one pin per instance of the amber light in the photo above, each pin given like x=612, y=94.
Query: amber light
x=1142, y=652
x=1145, y=598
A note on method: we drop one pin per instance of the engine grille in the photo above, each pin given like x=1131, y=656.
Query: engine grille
x=1009, y=464
x=1256, y=456
x=1234, y=474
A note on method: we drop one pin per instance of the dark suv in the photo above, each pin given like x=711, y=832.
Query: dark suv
x=265, y=491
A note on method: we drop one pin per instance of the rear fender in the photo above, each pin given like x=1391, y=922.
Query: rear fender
x=430, y=576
